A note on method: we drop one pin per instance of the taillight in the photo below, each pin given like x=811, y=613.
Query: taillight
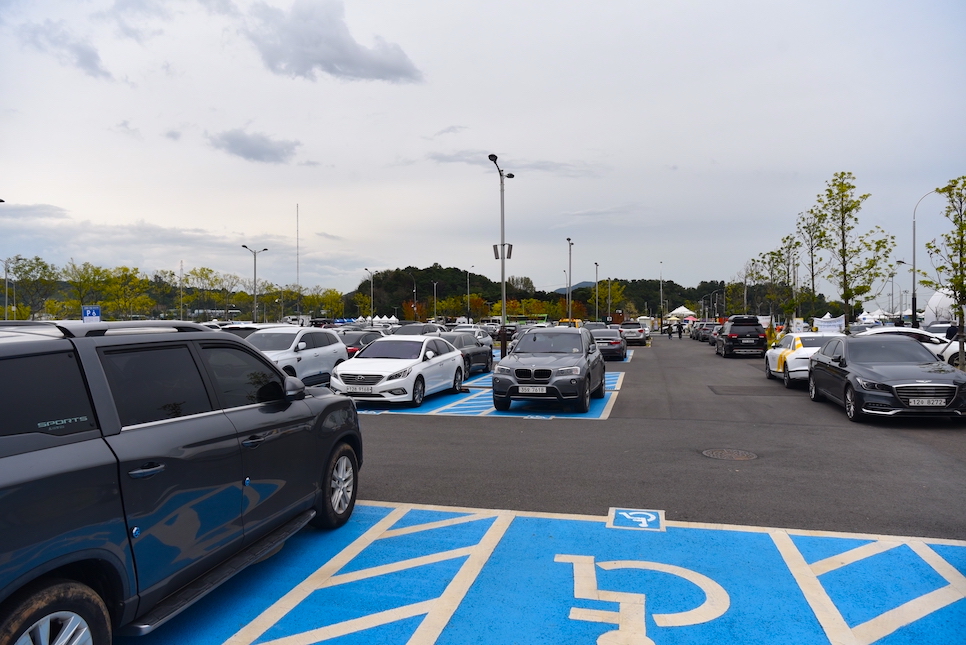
x=732, y=335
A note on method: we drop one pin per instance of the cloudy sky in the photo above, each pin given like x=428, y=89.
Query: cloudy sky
x=676, y=137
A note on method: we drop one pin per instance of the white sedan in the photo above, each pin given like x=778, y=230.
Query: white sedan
x=788, y=357
x=400, y=369
x=935, y=343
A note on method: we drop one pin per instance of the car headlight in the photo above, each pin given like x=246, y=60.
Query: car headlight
x=502, y=369
x=872, y=385
x=400, y=374
x=568, y=371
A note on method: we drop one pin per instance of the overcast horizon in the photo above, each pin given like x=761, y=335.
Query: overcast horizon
x=676, y=139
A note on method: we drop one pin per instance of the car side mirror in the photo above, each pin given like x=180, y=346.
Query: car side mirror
x=592, y=348
x=294, y=388
x=839, y=360
x=429, y=355
x=301, y=346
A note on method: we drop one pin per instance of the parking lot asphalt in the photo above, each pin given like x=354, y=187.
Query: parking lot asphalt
x=814, y=469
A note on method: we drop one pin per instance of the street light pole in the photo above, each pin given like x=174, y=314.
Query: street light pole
x=254, y=281
x=508, y=175
x=570, y=280
x=468, y=293
x=660, y=313
x=371, y=308
x=435, y=316
x=915, y=313
x=596, y=292
x=414, y=294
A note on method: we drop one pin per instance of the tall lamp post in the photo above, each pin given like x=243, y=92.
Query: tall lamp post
x=254, y=281
x=570, y=280
x=915, y=312
x=371, y=307
x=660, y=312
x=468, y=293
x=596, y=292
x=508, y=175
x=435, y=317
x=414, y=294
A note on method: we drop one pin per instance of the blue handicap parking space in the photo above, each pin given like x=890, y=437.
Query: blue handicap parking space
x=477, y=400
x=401, y=573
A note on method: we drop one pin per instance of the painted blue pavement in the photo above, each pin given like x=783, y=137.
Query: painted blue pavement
x=435, y=575
x=478, y=401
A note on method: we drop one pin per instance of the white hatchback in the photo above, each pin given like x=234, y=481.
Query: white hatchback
x=400, y=369
x=307, y=353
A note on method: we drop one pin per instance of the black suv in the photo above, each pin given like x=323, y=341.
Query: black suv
x=741, y=335
x=143, y=464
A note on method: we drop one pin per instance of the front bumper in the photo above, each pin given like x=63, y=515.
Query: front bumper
x=886, y=404
x=395, y=391
x=561, y=388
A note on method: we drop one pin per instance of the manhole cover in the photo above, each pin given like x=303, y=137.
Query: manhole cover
x=729, y=453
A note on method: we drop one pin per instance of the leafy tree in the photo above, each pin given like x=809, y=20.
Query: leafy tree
x=857, y=260
x=125, y=293
x=36, y=281
x=811, y=231
x=331, y=302
x=228, y=283
x=948, y=255
x=521, y=284
x=85, y=282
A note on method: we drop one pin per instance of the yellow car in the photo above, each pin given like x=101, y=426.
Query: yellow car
x=788, y=358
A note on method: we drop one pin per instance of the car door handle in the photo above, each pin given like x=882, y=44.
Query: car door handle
x=253, y=441
x=149, y=469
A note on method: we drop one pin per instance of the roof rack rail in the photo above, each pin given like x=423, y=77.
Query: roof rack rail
x=79, y=329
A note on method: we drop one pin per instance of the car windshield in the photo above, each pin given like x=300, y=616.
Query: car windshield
x=630, y=325
x=606, y=333
x=812, y=341
x=890, y=352
x=536, y=342
x=410, y=330
x=391, y=349
x=271, y=341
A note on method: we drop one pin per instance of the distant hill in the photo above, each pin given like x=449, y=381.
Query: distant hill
x=580, y=285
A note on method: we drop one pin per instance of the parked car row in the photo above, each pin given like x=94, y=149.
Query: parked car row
x=878, y=372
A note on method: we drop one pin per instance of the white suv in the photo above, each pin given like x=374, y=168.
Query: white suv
x=307, y=353
x=635, y=332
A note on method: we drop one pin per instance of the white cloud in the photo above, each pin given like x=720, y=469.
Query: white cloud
x=313, y=37
x=55, y=38
x=254, y=146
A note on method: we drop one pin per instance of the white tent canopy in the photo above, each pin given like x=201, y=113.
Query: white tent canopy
x=682, y=311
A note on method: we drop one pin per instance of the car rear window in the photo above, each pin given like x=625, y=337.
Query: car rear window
x=630, y=325
x=812, y=341
x=27, y=403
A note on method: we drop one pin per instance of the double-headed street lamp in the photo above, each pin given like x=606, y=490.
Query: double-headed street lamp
x=468, y=293
x=570, y=279
x=915, y=313
x=596, y=292
x=414, y=294
x=371, y=308
x=503, y=257
x=254, y=281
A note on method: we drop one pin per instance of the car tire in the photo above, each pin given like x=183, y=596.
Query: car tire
x=467, y=365
x=954, y=360
x=457, y=381
x=768, y=373
x=337, y=494
x=56, y=609
x=501, y=405
x=488, y=367
x=419, y=392
x=583, y=403
x=813, y=392
x=851, y=405
x=786, y=377
x=599, y=392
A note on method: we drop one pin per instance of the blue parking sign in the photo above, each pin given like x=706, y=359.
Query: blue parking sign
x=91, y=313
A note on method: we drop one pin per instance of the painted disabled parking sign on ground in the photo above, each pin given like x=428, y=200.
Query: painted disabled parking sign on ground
x=423, y=575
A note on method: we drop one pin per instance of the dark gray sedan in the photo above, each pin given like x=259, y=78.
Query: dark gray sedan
x=611, y=343
x=886, y=376
x=551, y=364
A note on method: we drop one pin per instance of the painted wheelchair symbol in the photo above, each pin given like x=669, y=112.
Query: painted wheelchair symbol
x=642, y=518
x=629, y=618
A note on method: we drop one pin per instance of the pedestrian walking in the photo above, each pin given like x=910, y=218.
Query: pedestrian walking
x=670, y=331
x=680, y=329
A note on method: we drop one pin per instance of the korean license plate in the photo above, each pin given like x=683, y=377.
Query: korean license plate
x=533, y=389
x=747, y=340
x=366, y=389
x=927, y=401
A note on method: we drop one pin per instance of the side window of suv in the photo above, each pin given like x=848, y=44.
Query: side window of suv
x=155, y=384
x=27, y=403
x=240, y=378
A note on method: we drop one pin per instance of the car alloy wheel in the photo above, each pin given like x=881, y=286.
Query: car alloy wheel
x=58, y=611
x=851, y=405
x=583, y=404
x=813, y=392
x=768, y=372
x=457, y=381
x=786, y=377
x=419, y=392
x=467, y=365
x=338, y=495
x=489, y=362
